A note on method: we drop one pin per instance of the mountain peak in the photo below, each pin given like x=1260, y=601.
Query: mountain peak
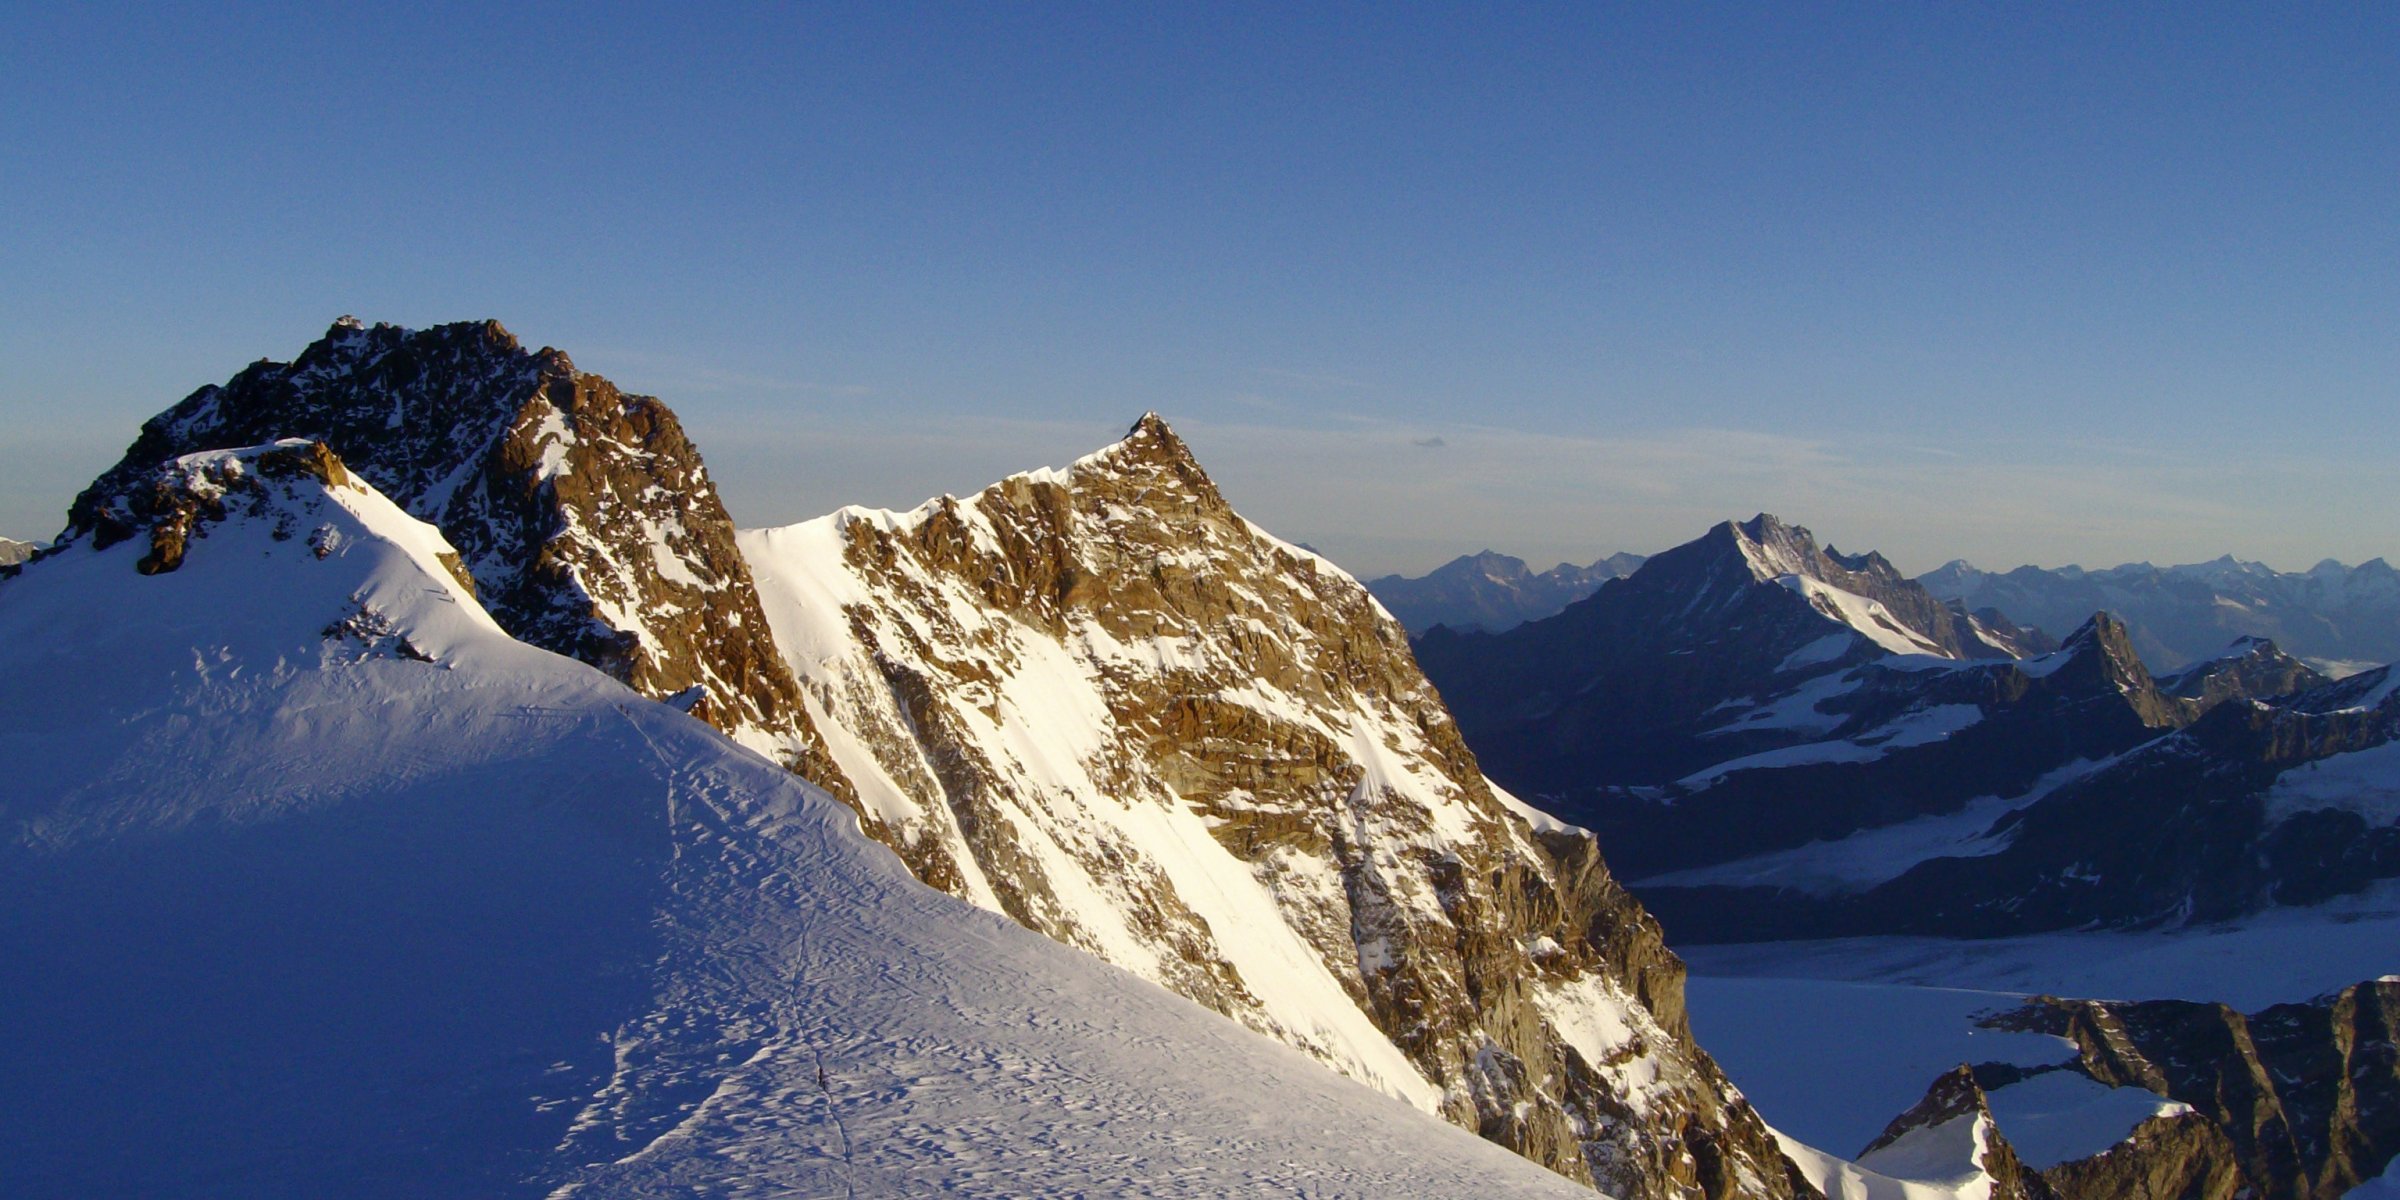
x=1151, y=438
x=583, y=512
x=1150, y=452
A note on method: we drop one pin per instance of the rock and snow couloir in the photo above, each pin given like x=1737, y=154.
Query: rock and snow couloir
x=316, y=882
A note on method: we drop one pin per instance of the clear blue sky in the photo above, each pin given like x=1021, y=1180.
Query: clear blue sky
x=2014, y=282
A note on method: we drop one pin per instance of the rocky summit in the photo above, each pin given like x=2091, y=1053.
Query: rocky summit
x=1099, y=700
x=582, y=513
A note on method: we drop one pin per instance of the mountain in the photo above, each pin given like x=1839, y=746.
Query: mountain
x=1492, y=592
x=583, y=514
x=1671, y=668
x=315, y=882
x=13, y=552
x=2338, y=617
x=1763, y=770
x=1096, y=701
x=2249, y=804
x=1100, y=701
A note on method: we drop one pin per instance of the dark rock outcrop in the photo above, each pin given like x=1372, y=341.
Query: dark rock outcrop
x=583, y=513
x=2301, y=1101
x=1956, y=1117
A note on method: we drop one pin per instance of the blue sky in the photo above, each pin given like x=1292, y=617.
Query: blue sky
x=2018, y=283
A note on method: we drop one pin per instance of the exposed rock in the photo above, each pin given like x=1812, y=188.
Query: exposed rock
x=583, y=514
x=1951, y=1138
x=2303, y=1099
x=1100, y=701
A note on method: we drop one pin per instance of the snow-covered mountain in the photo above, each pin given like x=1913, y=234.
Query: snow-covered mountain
x=1779, y=780
x=583, y=514
x=2339, y=618
x=317, y=883
x=1099, y=700
x=13, y=552
x=1490, y=592
x=1661, y=673
x=1095, y=700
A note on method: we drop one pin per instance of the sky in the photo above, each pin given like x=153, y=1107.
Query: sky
x=2018, y=283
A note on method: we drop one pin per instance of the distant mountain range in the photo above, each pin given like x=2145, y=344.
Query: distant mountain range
x=1490, y=592
x=15, y=551
x=2341, y=618
x=1778, y=741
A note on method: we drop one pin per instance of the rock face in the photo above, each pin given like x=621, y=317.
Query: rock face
x=2177, y=615
x=2299, y=1101
x=1100, y=701
x=583, y=514
x=1491, y=592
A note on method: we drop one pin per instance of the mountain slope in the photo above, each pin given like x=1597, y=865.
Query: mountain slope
x=316, y=883
x=584, y=514
x=1492, y=592
x=1100, y=701
x=2249, y=804
x=1665, y=671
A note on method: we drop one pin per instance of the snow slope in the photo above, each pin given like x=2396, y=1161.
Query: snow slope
x=316, y=884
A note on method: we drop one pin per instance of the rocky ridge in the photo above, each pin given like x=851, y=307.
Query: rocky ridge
x=583, y=514
x=2296, y=1102
x=1100, y=701
x=1951, y=1136
x=1253, y=750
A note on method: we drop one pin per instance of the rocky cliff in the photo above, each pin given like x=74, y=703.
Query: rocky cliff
x=2296, y=1102
x=582, y=513
x=1099, y=700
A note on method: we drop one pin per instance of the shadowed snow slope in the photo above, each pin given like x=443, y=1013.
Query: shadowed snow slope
x=315, y=883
